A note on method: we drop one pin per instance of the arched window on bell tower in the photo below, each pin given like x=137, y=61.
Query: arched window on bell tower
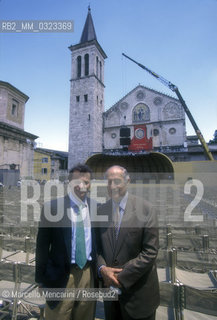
x=86, y=64
x=78, y=66
x=97, y=67
x=100, y=74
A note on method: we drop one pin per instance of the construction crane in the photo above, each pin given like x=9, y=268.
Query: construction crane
x=176, y=90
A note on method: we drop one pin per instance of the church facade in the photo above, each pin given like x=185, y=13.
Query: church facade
x=154, y=120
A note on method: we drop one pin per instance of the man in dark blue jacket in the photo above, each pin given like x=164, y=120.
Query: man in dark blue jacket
x=65, y=250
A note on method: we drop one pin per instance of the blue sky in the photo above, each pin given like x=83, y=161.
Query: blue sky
x=177, y=39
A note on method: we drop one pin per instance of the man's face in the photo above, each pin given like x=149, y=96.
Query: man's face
x=80, y=184
x=117, y=185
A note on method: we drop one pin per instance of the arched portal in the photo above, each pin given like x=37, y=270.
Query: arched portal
x=152, y=166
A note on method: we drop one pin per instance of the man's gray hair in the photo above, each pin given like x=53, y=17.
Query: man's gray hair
x=125, y=173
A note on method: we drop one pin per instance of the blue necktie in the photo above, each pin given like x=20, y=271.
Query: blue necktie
x=80, y=248
x=117, y=220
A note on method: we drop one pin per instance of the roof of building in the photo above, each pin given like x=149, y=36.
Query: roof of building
x=13, y=132
x=88, y=36
x=88, y=33
x=62, y=154
x=38, y=150
x=9, y=86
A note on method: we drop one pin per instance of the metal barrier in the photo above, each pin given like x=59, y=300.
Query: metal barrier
x=20, y=279
x=173, y=293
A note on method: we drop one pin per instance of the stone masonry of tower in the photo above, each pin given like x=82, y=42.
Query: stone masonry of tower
x=86, y=96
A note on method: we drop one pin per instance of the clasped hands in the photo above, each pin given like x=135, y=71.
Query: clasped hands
x=109, y=276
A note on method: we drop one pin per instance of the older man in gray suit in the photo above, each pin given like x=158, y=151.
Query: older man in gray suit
x=127, y=251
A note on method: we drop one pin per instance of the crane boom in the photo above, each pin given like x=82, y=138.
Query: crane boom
x=187, y=111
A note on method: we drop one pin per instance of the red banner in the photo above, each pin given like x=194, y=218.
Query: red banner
x=140, y=141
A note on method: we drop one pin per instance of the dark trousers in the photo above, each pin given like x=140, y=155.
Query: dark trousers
x=115, y=311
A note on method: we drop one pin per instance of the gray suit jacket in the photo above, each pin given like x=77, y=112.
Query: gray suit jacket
x=135, y=251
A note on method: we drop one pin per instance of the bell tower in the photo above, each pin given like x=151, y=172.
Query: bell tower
x=86, y=96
